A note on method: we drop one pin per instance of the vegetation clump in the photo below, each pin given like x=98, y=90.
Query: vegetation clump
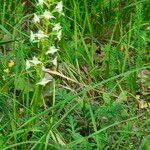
x=74, y=74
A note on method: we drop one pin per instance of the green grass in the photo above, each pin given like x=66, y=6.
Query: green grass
x=100, y=93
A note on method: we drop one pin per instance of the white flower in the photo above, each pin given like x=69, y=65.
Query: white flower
x=41, y=2
x=48, y=15
x=35, y=61
x=56, y=27
x=59, y=35
x=36, y=19
x=59, y=7
x=44, y=81
x=44, y=69
x=28, y=64
x=52, y=50
x=32, y=36
x=54, y=61
x=40, y=35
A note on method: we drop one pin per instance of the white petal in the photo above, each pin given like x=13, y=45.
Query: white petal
x=41, y=2
x=54, y=61
x=59, y=8
x=52, y=50
x=44, y=81
x=59, y=35
x=28, y=64
x=32, y=36
x=44, y=69
x=57, y=27
x=36, y=19
x=35, y=61
x=40, y=35
x=48, y=15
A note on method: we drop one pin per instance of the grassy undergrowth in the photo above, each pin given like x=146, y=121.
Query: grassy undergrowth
x=99, y=95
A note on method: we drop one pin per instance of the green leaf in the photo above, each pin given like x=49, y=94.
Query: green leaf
x=122, y=97
x=145, y=144
x=106, y=98
x=22, y=85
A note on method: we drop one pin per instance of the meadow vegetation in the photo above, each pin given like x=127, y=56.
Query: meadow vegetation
x=74, y=74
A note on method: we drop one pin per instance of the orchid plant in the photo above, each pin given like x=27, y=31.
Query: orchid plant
x=48, y=28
